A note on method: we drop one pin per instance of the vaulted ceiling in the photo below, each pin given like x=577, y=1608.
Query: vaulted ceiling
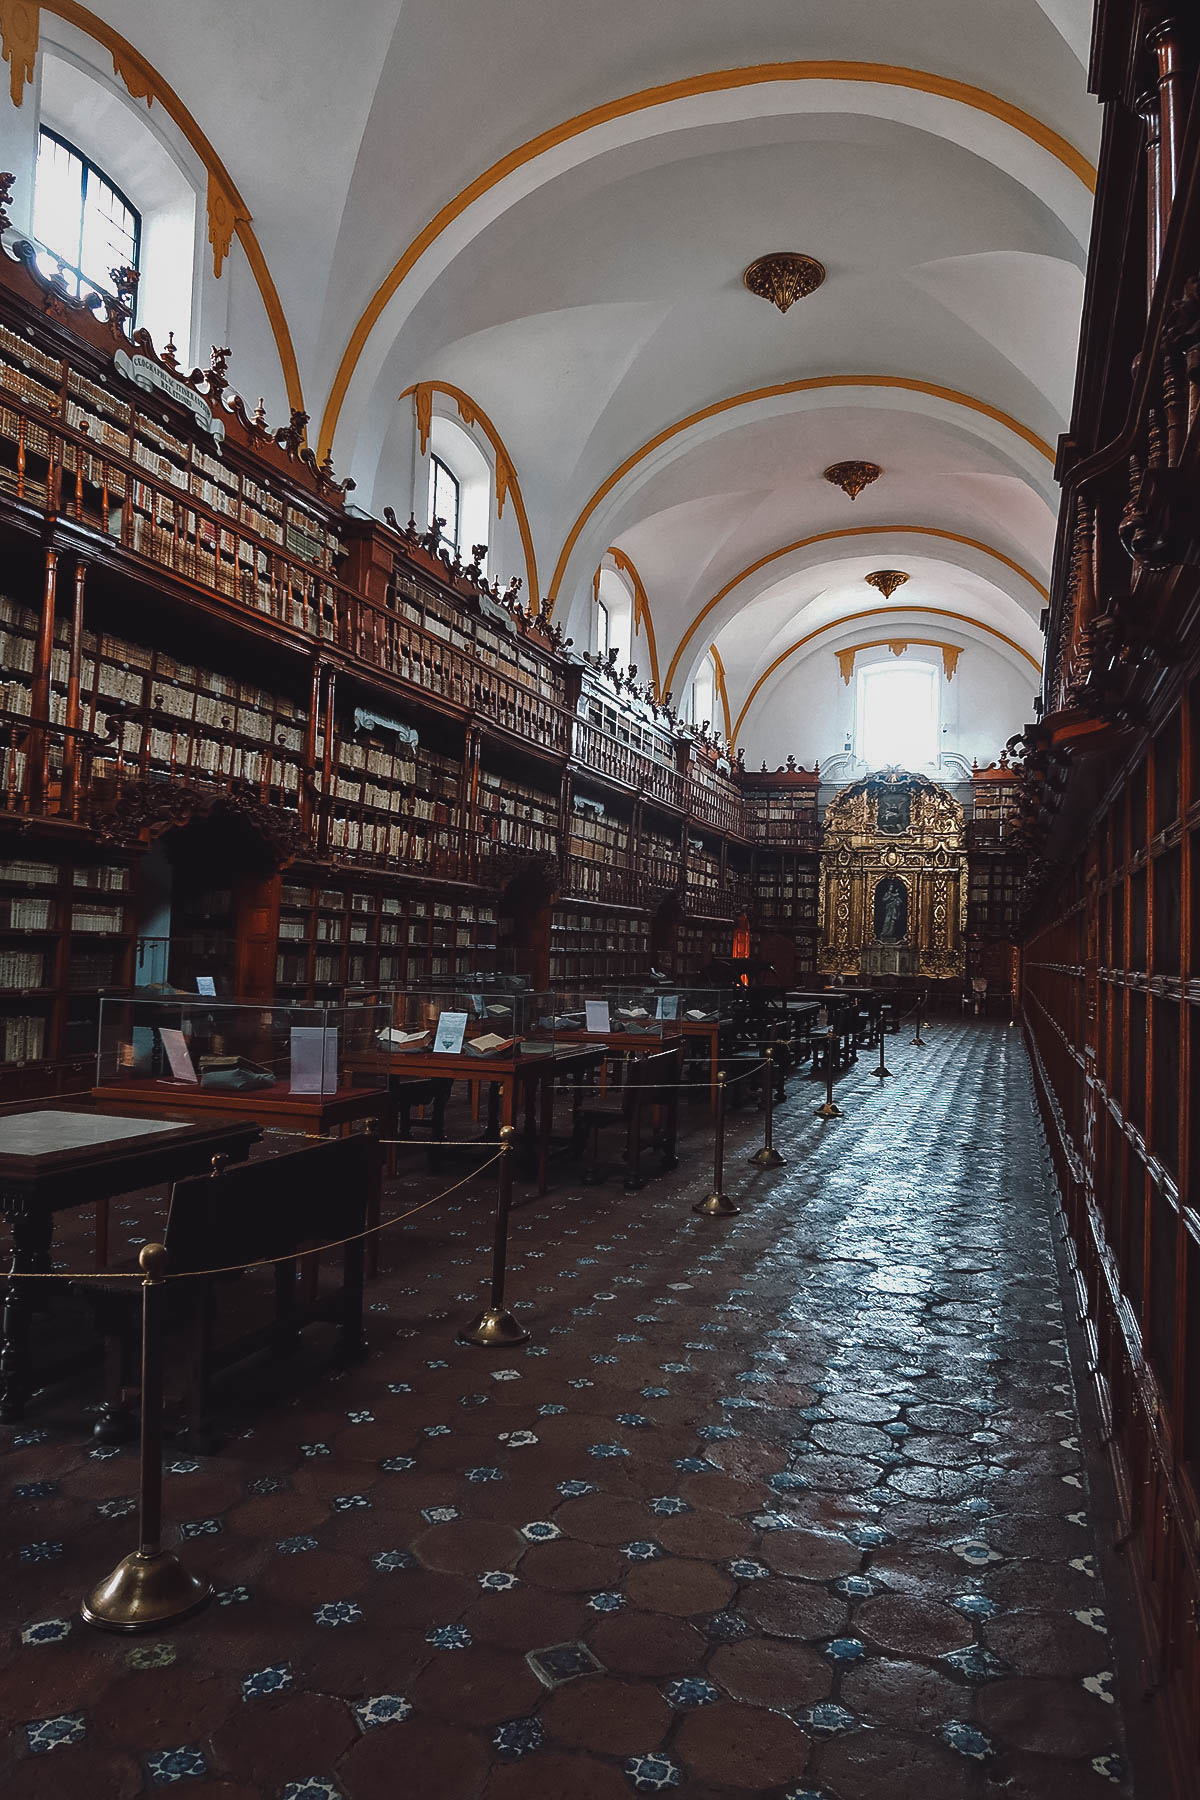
x=550, y=205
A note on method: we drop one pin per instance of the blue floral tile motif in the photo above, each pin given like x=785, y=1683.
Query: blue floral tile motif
x=845, y=1649
x=976, y=1553
x=104, y=1452
x=692, y=1690
x=439, y=1515
x=387, y=1561
x=655, y=1393
x=827, y=1719
x=575, y=1490
x=21, y=1439
x=540, y=1531
x=350, y=1502
x=399, y=1387
x=48, y=1550
x=787, y=1483
x=498, y=1581
x=607, y=1450
x=448, y=1637
x=315, y=1450
x=857, y=1587
x=266, y=1484
x=694, y=1465
x=551, y=1409
x=713, y=1434
x=314, y=1788
x=438, y=1362
x=184, y=1465
x=475, y=1400
x=975, y=1664
x=753, y=1375
x=53, y=1734
x=978, y=1506
x=643, y=1550
x=1102, y=1686
x=653, y=1774
x=636, y=1421
x=667, y=1506
x=434, y=1431
x=194, y=1528
x=117, y=1509
x=746, y=1568
x=382, y=1709
x=605, y=1356
x=740, y=1401
x=974, y=1606
x=337, y=1612
x=606, y=1602
x=518, y=1737
x=46, y=1631
x=232, y=1596
x=645, y=1318
x=775, y=1521
x=518, y=1440
x=966, y=1739
x=361, y=1417
x=868, y=1537
x=177, y=1765
x=631, y=1337
x=1111, y=1766
x=580, y=1381
x=675, y=1368
x=295, y=1546
x=398, y=1465
x=484, y=1473
x=35, y=1490
x=267, y=1681
x=728, y=1628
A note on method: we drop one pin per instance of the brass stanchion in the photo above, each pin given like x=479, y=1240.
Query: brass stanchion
x=495, y=1328
x=768, y=1157
x=918, y=1040
x=830, y=1110
x=150, y=1588
x=883, y=1072
x=718, y=1204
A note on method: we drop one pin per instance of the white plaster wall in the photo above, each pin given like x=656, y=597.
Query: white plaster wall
x=807, y=711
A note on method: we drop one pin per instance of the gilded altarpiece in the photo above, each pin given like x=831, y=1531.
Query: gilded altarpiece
x=893, y=879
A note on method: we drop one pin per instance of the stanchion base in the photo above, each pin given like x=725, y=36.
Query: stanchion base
x=767, y=1158
x=146, y=1593
x=494, y=1329
x=716, y=1206
x=830, y=1110
x=919, y=1042
x=883, y=1074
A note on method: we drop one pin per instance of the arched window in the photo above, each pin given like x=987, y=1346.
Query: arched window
x=702, y=696
x=444, y=502
x=614, y=616
x=898, y=714
x=603, y=628
x=82, y=218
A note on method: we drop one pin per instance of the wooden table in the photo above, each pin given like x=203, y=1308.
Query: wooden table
x=54, y=1158
x=274, y=1107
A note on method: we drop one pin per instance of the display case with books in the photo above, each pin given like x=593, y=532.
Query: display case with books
x=488, y=1024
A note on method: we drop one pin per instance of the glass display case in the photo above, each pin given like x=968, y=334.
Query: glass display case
x=487, y=1023
x=627, y=1013
x=170, y=1043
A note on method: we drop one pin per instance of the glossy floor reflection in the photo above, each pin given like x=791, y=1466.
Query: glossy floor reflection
x=789, y=1504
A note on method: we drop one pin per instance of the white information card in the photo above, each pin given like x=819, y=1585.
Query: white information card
x=451, y=1029
x=314, y=1059
x=596, y=1014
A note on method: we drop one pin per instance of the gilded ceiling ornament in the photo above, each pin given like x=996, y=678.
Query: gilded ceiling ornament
x=423, y=405
x=853, y=477
x=886, y=581
x=19, y=20
x=135, y=75
x=784, y=277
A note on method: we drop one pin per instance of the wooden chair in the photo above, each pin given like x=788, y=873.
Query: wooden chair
x=241, y=1214
x=649, y=1091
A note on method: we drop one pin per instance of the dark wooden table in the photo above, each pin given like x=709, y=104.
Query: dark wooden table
x=274, y=1107
x=54, y=1158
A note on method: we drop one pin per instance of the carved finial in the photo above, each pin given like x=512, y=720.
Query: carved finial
x=6, y=187
x=218, y=370
x=260, y=415
x=169, y=354
x=290, y=436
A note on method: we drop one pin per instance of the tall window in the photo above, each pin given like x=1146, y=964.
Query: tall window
x=603, y=628
x=898, y=714
x=444, y=502
x=80, y=217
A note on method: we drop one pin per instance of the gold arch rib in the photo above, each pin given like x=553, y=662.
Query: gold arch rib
x=717, y=81
x=810, y=384
x=641, y=609
x=850, y=531
x=722, y=691
x=874, y=612
x=228, y=214
x=507, y=483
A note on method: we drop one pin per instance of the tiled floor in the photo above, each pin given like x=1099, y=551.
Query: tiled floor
x=789, y=1504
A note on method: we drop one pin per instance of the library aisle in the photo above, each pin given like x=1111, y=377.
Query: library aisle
x=788, y=1504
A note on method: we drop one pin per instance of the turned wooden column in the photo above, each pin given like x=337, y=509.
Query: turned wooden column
x=1163, y=43
x=1147, y=107
x=39, y=743
x=71, y=745
x=308, y=785
x=327, y=761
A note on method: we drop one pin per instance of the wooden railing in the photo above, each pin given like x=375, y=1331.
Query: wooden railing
x=600, y=751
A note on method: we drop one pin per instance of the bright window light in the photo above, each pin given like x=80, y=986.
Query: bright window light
x=898, y=715
x=82, y=218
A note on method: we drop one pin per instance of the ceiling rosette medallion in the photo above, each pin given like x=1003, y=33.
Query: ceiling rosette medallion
x=853, y=477
x=784, y=277
x=886, y=581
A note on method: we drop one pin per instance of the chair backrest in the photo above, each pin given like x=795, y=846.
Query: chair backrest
x=245, y=1212
x=661, y=1071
